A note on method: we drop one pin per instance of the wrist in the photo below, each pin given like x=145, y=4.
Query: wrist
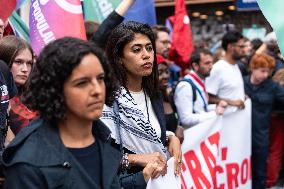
x=133, y=159
x=125, y=164
x=169, y=134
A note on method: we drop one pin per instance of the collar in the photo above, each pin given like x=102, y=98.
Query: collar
x=39, y=134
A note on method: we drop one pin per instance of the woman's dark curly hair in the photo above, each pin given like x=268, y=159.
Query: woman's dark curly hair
x=54, y=65
x=119, y=38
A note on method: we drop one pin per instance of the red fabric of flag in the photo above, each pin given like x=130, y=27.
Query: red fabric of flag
x=6, y=8
x=181, y=36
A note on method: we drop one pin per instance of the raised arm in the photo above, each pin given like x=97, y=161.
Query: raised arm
x=123, y=7
x=114, y=19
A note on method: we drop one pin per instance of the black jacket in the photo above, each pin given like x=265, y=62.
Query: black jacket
x=263, y=98
x=37, y=158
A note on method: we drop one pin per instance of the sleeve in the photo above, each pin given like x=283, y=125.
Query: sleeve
x=184, y=104
x=132, y=181
x=213, y=82
x=106, y=28
x=9, y=81
x=21, y=176
x=12, y=89
x=279, y=94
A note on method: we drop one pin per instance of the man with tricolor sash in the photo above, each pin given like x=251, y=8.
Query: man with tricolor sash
x=190, y=96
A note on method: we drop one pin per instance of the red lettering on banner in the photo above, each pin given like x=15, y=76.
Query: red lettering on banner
x=232, y=175
x=210, y=161
x=250, y=169
x=195, y=169
x=183, y=169
x=224, y=153
x=214, y=139
x=244, y=171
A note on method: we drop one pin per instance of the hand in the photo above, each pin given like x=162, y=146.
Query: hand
x=144, y=159
x=238, y=103
x=151, y=171
x=220, y=109
x=123, y=7
x=174, y=149
x=179, y=133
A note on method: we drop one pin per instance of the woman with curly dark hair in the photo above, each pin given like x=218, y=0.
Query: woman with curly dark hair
x=136, y=119
x=68, y=146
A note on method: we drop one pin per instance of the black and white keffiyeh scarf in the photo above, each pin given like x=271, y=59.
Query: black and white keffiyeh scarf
x=130, y=127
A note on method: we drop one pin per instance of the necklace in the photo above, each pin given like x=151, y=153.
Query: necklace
x=146, y=107
x=146, y=102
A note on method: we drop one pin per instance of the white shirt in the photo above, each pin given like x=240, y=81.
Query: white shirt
x=225, y=81
x=183, y=99
x=139, y=98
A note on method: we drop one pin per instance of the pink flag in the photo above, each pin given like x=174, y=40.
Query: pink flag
x=53, y=19
x=6, y=8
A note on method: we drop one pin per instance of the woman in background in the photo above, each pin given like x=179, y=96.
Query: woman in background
x=19, y=56
x=166, y=90
x=264, y=94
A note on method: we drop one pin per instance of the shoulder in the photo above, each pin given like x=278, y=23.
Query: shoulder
x=219, y=65
x=27, y=143
x=246, y=79
x=27, y=176
x=183, y=85
x=270, y=84
x=101, y=130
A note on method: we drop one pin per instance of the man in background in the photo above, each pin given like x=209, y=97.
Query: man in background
x=163, y=46
x=225, y=81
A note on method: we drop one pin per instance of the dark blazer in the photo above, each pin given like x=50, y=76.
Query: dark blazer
x=134, y=179
x=37, y=158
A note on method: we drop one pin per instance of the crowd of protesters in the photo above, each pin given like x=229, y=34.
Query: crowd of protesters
x=109, y=112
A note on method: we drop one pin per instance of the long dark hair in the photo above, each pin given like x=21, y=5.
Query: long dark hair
x=119, y=38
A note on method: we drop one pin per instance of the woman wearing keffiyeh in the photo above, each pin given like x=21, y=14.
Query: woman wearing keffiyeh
x=136, y=118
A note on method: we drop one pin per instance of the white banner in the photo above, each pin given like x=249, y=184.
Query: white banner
x=216, y=153
x=167, y=181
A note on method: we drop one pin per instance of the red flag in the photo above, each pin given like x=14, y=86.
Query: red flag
x=6, y=8
x=181, y=36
